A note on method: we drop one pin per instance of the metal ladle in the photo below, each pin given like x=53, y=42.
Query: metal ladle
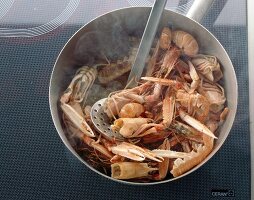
x=100, y=119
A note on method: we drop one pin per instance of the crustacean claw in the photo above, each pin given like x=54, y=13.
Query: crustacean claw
x=196, y=124
x=168, y=153
x=100, y=148
x=77, y=120
x=134, y=152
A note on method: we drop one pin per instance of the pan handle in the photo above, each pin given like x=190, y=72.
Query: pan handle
x=199, y=9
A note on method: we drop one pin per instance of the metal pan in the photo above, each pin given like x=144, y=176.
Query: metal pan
x=133, y=21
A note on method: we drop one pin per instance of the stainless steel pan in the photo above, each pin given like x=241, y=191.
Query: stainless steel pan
x=133, y=21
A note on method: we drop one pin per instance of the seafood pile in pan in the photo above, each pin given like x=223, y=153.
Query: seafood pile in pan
x=168, y=121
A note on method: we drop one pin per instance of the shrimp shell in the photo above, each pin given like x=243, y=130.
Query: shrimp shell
x=168, y=109
x=118, y=99
x=186, y=42
x=182, y=165
x=131, y=110
x=115, y=70
x=164, y=165
x=215, y=95
x=128, y=170
x=128, y=126
x=81, y=83
x=194, y=76
x=195, y=103
x=169, y=61
x=208, y=66
x=165, y=38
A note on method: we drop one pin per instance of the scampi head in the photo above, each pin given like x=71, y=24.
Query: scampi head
x=208, y=66
x=186, y=42
x=214, y=93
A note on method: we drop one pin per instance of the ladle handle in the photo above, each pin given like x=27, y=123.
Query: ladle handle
x=198, y=9
x=146, y=42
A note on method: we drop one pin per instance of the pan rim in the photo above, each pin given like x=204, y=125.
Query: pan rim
x=215, y=150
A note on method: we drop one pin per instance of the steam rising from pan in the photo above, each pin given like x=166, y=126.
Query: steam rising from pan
x=108, y=37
